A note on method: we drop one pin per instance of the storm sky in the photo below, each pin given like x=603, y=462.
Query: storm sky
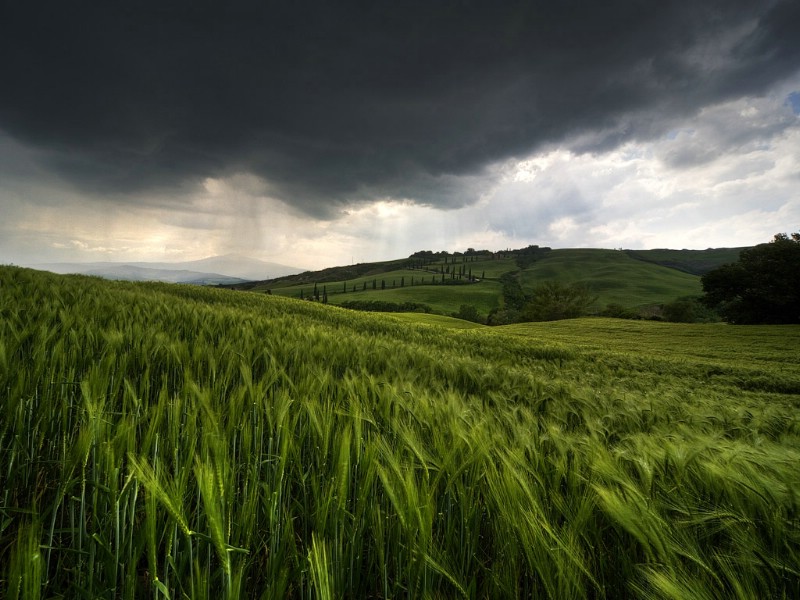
x=320, y=133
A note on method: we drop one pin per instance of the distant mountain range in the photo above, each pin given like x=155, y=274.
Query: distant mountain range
x=228, y=270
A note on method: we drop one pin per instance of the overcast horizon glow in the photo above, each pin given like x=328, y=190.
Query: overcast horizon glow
x=177, y=135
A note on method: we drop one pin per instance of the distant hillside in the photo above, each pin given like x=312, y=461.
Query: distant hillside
x=330, y=274
x=444, y=282
x=135, y=272
x=232, y=265
x=216, y=270
x=696, y=262
x=614, y=276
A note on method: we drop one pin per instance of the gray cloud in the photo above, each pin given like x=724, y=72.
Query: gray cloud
x=334, y=103
x=526, y=210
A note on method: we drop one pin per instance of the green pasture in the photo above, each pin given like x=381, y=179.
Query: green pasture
x=168, y=441
x=696, y=262
x=443, y=299
x=491, y=268
x=437, y=320
x=613, y=276
x=633, y=280
x=750, y=356
x=408, y=277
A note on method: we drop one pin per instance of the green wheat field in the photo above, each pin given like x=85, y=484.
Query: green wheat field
x=165, y=441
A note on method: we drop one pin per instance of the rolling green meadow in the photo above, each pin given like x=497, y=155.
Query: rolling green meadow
x=167, y=441
x=634, y=280
x=613, y=276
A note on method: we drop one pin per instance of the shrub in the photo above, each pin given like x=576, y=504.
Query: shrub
x=503, y=316
x=468, y=312
x=688, y=310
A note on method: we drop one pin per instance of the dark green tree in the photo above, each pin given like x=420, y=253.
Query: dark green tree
x=503, y=316
x=468, y=312
x=525, y=257
x=554, y=300
x=762, y=287
x=513, y=295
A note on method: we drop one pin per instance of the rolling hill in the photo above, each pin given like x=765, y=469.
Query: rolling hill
x=615, y=277
x=696, y=262
x=637, y=280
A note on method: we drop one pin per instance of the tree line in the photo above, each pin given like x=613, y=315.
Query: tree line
x=763, y=286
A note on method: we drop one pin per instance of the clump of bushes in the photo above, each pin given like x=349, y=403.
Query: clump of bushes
x=468, y=312
x=617, y=311
x=554, y=300
x=688, y=310
x=503, y=316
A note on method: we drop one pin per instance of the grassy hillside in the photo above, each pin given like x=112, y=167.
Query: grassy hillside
x=427, y=286
x=614, y=276
x=696, y=262
x=181, y=442
x=724, y=349
x=437, y=320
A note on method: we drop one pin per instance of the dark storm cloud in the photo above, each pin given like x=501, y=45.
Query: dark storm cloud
x=335, y=102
